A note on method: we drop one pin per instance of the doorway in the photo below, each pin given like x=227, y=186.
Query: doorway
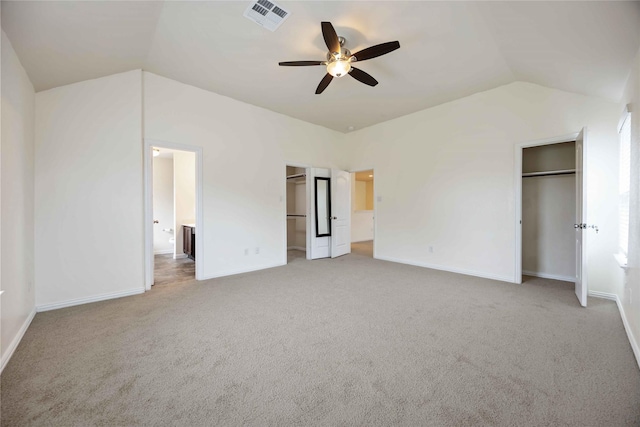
x=363, y=213
x=550, y=212
x=174, y=182
x=173, y=213
x=297, y=212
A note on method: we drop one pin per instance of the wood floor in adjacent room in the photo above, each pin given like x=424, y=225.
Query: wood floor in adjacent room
x=169, y=271
x=345, y=341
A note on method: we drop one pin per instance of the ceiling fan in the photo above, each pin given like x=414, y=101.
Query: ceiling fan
x=339, y=59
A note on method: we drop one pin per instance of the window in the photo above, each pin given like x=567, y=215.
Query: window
x=625, y=180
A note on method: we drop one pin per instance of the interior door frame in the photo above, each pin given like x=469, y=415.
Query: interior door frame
x=148, y=206
x=375, y=206
x=519, y=151
x=308, y=185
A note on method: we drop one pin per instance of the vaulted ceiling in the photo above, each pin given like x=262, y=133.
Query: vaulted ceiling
x=449, y=50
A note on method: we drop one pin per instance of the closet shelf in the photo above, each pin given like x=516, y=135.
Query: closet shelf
x=296, y=216
x=549, y=173
x=298, y=175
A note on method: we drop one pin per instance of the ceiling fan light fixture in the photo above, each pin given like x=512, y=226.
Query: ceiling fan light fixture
x=339, y=67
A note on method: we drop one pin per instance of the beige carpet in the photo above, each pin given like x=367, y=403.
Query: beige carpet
x=350, y=341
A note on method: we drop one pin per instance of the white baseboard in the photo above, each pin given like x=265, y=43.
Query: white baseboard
x=296, y=248
x=16, y=340
x=603, y=295
x=549, y=276
x=449, y=269
x=243, y=270
x=179, y=256
x=625, y=321
x=163, y=252
x=86, y=300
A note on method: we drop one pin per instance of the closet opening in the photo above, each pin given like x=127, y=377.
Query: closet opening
x=549, y=212
x=362, y=212
x=297, y=212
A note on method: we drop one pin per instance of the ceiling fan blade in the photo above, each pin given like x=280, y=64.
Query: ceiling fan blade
x=363, y=77
x=330, y=37
x=299, y=63
x=377, y=50
x=324, y=83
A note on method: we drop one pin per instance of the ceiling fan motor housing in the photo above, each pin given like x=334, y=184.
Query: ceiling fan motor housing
x=339, y=59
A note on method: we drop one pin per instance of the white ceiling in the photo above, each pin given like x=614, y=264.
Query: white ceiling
x=449, y=50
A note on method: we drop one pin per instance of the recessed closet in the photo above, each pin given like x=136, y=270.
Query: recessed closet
x=296, y=210
x=548, y=211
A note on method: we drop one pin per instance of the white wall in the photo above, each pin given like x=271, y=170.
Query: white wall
x=184, y=184
x=360, y=194
x=245, y=150
x=163, y=205
x=548, y=236
x=89, y=191
x=628, y=289
x=445, y=176
x=16, y=231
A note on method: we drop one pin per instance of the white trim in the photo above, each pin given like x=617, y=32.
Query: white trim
x=627, y=328
x=243, y=270
x=86, y=300
x=449, y=269
x=16, y=340
x=603, y=295
x=622, y=260
x=518, y=152
x=632, y=341
x=163, y=252
x=148, y=206
x=296, y=248
x=625, y=115
x=549, y=276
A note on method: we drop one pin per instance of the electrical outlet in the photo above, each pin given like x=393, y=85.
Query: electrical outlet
x=257, y=251
x=246, y=251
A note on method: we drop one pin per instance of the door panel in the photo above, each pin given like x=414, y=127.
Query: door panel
x=340, y=213
x=580, y=226
x=320, y=246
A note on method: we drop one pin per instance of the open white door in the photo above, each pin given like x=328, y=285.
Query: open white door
x=340, y=213
x=580, y=226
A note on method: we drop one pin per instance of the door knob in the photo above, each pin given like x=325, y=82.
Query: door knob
x=335, y=217
x=155, y=221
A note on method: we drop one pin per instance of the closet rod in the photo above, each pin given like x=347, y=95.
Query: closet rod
x=298, y=175
x=297, y=216
x=549, y=173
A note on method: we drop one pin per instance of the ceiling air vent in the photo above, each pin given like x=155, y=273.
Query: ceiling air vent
x=267, y=14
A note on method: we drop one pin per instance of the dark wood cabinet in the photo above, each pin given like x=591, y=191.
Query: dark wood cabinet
x=189, y=241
